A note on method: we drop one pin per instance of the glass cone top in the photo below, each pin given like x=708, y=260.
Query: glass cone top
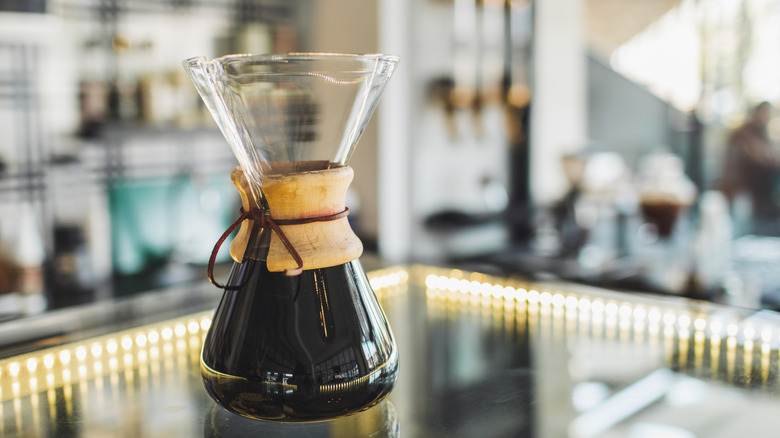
x=292, y=112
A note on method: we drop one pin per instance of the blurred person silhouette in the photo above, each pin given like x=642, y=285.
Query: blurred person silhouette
x=750, y=163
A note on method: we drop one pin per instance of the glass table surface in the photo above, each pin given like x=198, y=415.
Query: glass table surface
x=481, y=356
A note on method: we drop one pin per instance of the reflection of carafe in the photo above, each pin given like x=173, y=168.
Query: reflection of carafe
x=664, y=191
x=299, y=334
x=379, y=422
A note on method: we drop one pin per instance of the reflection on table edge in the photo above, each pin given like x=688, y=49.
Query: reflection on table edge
x=679, y=326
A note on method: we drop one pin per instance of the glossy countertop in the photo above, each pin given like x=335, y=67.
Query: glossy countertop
x=481, y=356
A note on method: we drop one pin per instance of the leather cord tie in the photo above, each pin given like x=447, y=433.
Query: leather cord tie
x=265, y=221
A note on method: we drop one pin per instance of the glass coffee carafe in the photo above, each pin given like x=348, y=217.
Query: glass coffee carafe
x=298, y=334
x=665, y=192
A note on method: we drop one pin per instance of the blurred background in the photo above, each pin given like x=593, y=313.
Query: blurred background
x=623, y=143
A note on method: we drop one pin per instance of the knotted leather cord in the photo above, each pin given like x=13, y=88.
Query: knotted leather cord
x=265, y=221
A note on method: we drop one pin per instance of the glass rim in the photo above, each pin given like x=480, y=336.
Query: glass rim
x=297, y=56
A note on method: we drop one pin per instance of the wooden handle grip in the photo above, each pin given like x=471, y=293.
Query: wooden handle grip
x=240, y=242
x=303, y=195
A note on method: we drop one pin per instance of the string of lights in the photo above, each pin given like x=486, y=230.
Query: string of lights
x=705, y=341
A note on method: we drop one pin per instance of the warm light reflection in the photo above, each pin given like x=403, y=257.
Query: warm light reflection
x=764, y=366
x=683, y=345
x=386, y=280
x=140, y=340
x=748, y=361
x=652, y=333
x=639, y=313
x=749, y=333
x=625, y=331
x=611, y=309
x=65, y=357
x=698, y=351
x=625, y=311
x=57, y=361
x=715, y=354
x=731, y=357
x=610, y=324
x=639, y=331
x=668, y=341
x=13, y=368
x=509, y=306
x=654, y=316
x=715, y=327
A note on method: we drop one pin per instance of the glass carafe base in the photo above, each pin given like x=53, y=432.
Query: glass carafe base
x=273, y=401
x=306, y=348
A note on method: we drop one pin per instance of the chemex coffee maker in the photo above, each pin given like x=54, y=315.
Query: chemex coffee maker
x=299, y=334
